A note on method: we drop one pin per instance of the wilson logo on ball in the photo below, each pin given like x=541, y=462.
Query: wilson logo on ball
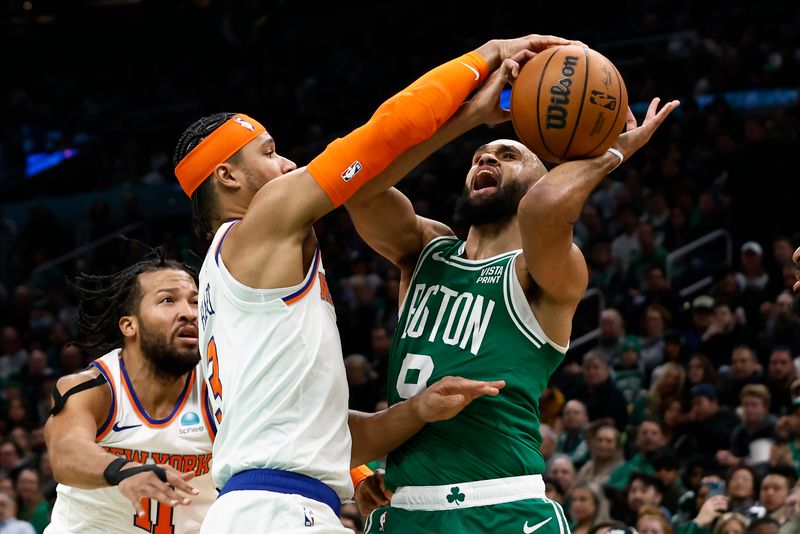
x=568, y=102
x=556, y=112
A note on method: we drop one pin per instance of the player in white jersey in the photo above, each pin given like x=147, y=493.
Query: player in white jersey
x=127, y=434
x=268, y=337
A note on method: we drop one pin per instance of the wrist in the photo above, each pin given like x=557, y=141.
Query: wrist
x=490, y=51
x=415, y=410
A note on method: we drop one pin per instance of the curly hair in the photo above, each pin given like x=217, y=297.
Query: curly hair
x=106, y=298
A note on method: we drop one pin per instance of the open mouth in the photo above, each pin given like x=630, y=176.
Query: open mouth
x=485, y=178
x=188, y=332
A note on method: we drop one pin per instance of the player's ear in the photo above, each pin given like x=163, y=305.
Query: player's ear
x=226, y=177
x=128, y=325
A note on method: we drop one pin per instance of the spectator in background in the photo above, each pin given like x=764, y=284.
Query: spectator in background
x=70, y=359
x=656, y=320
x=14, y=355
x=667, y=386
x=657, y=214
x=627, y=242
x=561, y=469
x=9, y=524
x=612, y=330
x=12, y=458
x=699, y=370
x=649, y=254
x=677, y=232
x=781, y=374
x=643, y=490
x=605, y=274
x=655, y=291
x=589, y=229
x=723, y=335
x=667, y=468
x=744, y=370
x=740, y=487
x=752, y=275
x=572, y=439
x=549, y=441
x=774, y=492
x=709, y=510
x=599, y=394
x=587, y=508
x=605, y=455
x=711, y=425
x=33, y=507
x=381, y=344
x=701, y=318
x=652, y=521
x=362, y=382
x=629, y=376
x=649, y=438
x=764, y=525
x=753, y=437
x=782, y=328
x=782, y=249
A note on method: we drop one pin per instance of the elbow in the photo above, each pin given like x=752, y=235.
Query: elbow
x=542, y=199
x=540, y=207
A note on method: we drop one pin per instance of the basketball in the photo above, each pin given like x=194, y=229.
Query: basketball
x=569, y=102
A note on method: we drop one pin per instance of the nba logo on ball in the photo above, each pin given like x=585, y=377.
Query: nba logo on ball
x=190, y=424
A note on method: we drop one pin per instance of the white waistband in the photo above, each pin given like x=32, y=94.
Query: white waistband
x=469, y=494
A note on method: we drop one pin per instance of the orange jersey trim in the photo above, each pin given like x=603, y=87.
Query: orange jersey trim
x=109, y=423
x=303, y=291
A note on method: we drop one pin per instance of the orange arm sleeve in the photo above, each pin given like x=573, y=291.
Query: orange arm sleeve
x=358, y=474
x=408, y=118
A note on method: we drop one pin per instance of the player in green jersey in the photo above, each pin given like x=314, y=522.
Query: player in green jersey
x=496, y=306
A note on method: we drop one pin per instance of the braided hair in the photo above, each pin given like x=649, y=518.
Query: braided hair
x=204, y=204
x=106, y=298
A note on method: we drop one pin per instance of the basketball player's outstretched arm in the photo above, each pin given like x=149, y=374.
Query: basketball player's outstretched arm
x=385, y=219
x=547, y=214
x=80, y=462
x=281, y=213
x=377, y=434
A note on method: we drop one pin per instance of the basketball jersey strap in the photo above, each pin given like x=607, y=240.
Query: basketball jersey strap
x=60, y=400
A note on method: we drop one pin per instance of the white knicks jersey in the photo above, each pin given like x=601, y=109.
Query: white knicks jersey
x=275, y=372
x=183, y=440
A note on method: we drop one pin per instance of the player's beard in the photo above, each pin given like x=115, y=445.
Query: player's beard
x=167, y=360
x=499, y=208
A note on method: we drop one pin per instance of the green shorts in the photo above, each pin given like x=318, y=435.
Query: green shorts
x=510, y=505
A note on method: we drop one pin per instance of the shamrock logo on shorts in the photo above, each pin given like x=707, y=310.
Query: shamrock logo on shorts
x=455, y=496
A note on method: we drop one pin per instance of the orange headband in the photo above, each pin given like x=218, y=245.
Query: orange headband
x=220, y=145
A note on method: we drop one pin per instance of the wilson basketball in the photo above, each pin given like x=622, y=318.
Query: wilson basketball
x=569, y=102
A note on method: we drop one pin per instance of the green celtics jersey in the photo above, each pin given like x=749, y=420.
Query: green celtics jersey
x=470, y=318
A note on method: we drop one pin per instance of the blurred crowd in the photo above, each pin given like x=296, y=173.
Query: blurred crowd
x=681, y=413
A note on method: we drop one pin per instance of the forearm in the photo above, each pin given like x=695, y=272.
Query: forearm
x=405, y=120
x=377, y=434
x=558, y=197
x=79, y=462
x=459, y=124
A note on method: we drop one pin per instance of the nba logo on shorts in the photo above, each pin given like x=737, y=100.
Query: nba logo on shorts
x=382, y=522
x=309, y=517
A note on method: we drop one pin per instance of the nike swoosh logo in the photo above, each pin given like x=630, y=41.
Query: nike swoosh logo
x=474, y=71
x=117, y=428
x=527, y=530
